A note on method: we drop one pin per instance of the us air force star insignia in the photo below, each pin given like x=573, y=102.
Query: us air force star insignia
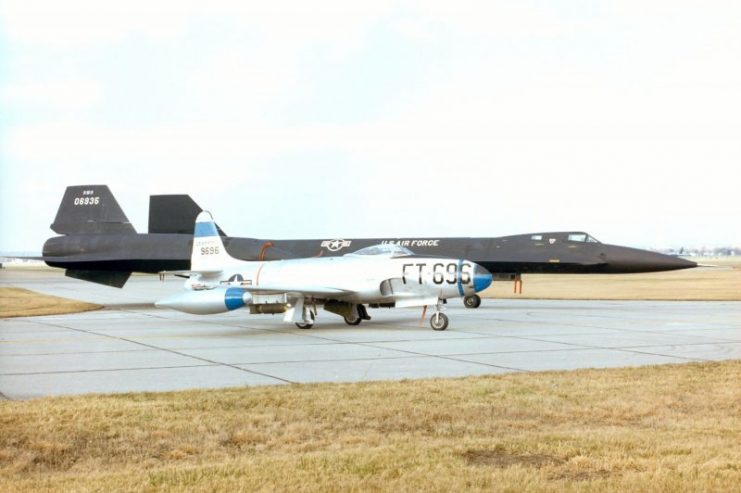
x=336, y=245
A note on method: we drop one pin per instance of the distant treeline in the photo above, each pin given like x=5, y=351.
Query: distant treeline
x=705, y=252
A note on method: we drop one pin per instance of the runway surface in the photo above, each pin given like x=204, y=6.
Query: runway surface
x=132, y=346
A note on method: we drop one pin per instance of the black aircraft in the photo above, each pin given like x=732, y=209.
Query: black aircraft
x=99, y=244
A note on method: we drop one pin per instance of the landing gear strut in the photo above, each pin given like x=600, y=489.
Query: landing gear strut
x=472, y=301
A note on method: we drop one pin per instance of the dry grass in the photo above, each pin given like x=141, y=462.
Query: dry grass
x=665, y=428
x=700, y=284
x=16, y=302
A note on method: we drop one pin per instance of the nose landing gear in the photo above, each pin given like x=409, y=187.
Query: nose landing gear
x=438, y=321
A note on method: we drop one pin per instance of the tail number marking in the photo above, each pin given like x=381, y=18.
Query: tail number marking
x=87, y=200
x=211, y=250
x=441, y=273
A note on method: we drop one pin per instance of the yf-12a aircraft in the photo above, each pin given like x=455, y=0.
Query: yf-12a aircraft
x=380, y=276
x=97, y=243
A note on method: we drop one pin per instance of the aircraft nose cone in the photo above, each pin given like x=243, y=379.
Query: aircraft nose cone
x=481, y=278
x=628, y=260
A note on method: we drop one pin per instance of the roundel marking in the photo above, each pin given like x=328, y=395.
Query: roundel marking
x=236, y=278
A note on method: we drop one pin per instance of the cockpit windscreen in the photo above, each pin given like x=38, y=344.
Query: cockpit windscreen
x=385, y=250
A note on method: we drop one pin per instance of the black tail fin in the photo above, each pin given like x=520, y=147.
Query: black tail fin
x=90, y=209
x=173, y=214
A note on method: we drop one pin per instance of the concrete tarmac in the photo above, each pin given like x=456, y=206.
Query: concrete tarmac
x=131, y=346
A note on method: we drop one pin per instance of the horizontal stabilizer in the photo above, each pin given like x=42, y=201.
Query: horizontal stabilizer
x=174, y=214
x=90, y=209
x=117, y=279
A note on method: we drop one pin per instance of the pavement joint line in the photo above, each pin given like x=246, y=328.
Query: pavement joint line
x=623, y=349
x=318, y=344
x=178, y=353
x=342, y=342
x=710, y=339
x=366, y=344
x=445, y=357
x=307, y=362
x=664, y=355
x=614, y=329
x=102, y=370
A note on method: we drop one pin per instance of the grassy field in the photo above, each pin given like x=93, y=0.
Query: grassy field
x=663, y=428
x=701, y=284
x=17, y=302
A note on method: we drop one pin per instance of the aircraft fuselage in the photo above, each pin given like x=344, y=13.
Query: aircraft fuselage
x=550, y=254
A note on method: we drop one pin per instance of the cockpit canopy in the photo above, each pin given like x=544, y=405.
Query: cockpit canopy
x=576, y=236
x=384, y=250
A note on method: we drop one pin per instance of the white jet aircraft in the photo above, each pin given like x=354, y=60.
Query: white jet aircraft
x=379, y=276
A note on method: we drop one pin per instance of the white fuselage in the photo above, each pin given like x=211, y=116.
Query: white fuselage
x=364, y=279
x=380, y=275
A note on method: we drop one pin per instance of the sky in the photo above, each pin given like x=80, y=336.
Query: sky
x=334, y=119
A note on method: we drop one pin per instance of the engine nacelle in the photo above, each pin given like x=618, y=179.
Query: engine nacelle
x=207, y=301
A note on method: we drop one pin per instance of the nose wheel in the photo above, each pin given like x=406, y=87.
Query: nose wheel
x=439, y=321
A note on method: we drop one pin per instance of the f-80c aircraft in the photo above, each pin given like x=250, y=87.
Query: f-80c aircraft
x=380, y=276
x=97, y=243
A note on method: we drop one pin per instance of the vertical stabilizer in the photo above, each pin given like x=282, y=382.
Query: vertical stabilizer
x=209, y=254
x=173, y=214
x=90, y=209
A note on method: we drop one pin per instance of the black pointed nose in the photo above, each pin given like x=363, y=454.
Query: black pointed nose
x=628, y=260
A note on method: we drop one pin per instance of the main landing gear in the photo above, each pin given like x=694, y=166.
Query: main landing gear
x=308, y=322
x=352, y=315
x=472, y=301
x=357, y=315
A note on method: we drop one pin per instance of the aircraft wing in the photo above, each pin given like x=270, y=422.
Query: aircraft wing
x=310, y=290
x=306, y=290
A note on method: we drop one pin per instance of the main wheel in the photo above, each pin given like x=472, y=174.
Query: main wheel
x=307, y=325
x=439, y=321
x=472, y=301
x=353, y=321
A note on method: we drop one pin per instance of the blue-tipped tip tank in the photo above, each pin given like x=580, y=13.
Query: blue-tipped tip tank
x=481, y=278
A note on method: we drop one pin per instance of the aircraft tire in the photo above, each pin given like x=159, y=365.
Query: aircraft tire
x=355, y=321
x=472, y=301
x=439, y=321
x=307, y=325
